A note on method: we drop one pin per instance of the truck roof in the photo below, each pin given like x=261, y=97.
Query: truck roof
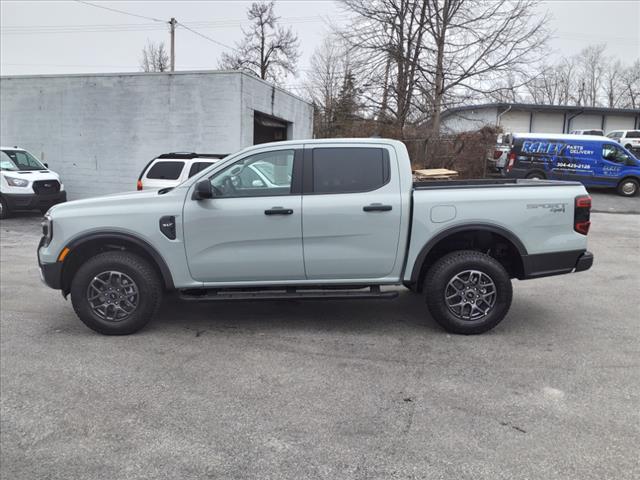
x=560, y=136
x=321, y=141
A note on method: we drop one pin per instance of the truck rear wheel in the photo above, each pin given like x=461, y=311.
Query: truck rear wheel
x=116, y=293
x=468, y=292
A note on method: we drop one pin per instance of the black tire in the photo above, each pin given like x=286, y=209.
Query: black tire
x=443, y=272
x=628, y=187
x=128, y=265
x=535, y=176
x=628, y=146
x=4, y=209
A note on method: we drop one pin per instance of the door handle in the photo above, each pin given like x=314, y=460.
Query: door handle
x=377, y=207
x=278, y=211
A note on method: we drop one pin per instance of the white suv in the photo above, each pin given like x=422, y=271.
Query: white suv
x=171, y=169
x=26, y=183
x=627, y=138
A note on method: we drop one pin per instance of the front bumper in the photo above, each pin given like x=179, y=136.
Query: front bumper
x=50, y=273
x=33, y=201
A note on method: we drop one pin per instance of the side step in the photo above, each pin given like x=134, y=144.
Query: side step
x=286, y=293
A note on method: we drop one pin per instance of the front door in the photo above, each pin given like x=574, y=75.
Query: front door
x=352, y=207
x=612, y=165
x=251, y=231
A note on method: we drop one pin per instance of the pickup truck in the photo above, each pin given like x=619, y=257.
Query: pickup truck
x=341, y=219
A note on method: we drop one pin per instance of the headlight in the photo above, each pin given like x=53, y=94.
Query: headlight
x=47, y=229
x=16, y=182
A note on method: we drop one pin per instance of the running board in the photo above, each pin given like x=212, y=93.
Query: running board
x=290, y=293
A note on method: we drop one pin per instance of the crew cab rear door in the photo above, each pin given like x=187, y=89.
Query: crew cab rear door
x=351, y=211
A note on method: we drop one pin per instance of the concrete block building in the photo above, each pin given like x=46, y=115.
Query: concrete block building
x=522, y=117
x=99, y=130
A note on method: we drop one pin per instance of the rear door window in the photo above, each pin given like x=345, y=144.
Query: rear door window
x=166, y=170
x=349, y=170
x=634, y=134
x=197, y=167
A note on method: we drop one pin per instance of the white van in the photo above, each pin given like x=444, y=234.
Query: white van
x=26, y=183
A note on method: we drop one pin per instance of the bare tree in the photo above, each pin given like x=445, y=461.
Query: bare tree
x=592, y=64
x=267, y=50
x=330, y=70
x=473, y=41
x=388, y=35
x=428, y=54
x=154, y=57
x=630, y=85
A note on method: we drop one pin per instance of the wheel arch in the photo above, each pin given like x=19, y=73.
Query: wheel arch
x=470, y=236
x=89, y=244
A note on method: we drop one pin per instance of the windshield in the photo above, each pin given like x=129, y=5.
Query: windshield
x=19, y=160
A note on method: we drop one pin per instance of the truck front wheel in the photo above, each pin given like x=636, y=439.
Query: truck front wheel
x=468, y=292
x=116, y=293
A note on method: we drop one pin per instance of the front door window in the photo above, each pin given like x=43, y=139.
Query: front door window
x=262, y=174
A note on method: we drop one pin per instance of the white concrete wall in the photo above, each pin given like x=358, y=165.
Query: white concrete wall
x=469, y=120
x=258, y=95
x=618, y=122
x=543, y=121
x=547, y=122
x=515, y=121
x=585, y=121
x=98, y=131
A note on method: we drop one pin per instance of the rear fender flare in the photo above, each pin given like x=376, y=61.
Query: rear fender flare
x=417, y=266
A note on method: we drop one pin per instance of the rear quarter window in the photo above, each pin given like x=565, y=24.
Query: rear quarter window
x=634, y=134
x=165, y=170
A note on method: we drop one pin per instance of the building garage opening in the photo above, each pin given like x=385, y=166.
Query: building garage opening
x=268, y=129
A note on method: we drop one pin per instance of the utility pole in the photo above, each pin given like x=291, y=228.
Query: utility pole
x=172, y=24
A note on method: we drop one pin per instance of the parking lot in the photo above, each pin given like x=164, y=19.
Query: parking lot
x=330, y=390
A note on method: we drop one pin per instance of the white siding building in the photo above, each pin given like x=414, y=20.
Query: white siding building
x=99, y=130
x=515, y=117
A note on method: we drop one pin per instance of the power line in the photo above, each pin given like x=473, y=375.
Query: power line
x=120, y=11
x=204, y=36
x=136, y=27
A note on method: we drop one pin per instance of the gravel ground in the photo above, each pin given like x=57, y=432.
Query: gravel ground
x=328, y=390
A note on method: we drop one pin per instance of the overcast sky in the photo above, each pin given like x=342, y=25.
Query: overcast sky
x=71, y=37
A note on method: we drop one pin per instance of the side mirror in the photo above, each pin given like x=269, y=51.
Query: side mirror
x=46, y=165
x=203, y=190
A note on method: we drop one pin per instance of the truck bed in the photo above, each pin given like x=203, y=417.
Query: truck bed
x=489, y=182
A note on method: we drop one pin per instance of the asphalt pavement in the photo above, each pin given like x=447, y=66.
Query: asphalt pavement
x=327, y=390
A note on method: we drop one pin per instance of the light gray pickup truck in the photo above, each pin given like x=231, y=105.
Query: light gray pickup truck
x=334, y=219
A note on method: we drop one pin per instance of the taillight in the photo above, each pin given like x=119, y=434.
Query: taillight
x=139, y=185
x=582, y=214
x=512, y=160
x=497, y=154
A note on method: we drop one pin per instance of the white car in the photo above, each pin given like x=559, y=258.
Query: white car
x=26, y=183
x=629, y=139
x=591, y=131
x=171, y=169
